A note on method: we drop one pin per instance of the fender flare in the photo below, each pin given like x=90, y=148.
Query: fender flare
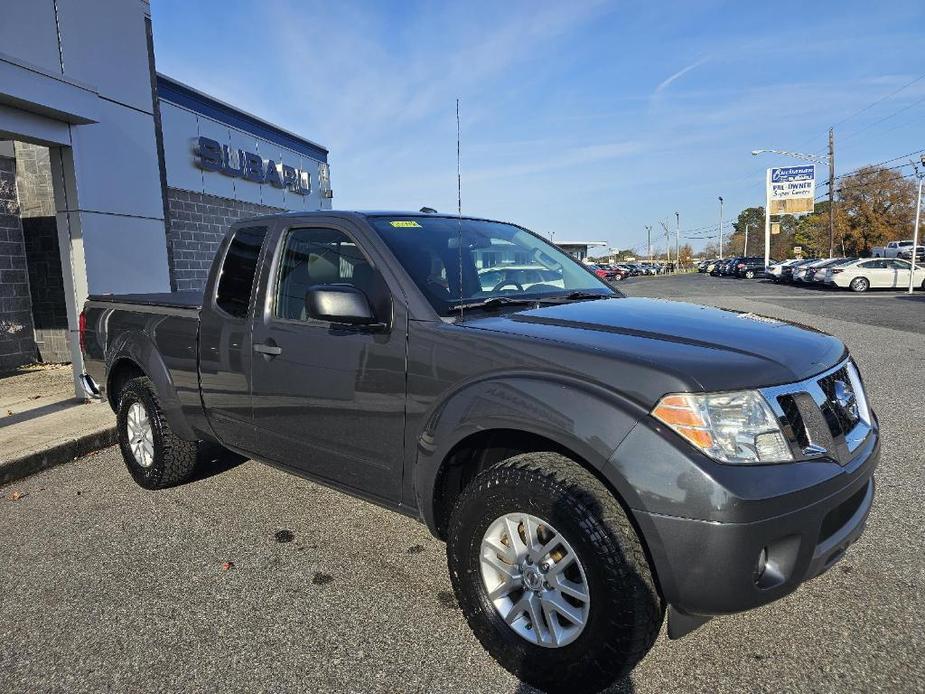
x=137, y=347
x=586, y=419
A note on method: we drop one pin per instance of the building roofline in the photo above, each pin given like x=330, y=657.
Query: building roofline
x=181, y=94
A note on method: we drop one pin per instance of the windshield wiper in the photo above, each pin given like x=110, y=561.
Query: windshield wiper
x=580, y=296
x=495, y=302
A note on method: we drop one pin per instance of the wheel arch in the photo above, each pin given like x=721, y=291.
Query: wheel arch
x=488, y=421
x=135, y=355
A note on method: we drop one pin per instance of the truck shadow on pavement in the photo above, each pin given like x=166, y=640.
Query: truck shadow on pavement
x=624, y=686
x=214, y=460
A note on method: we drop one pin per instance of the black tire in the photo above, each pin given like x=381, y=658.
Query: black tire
x=625, y=610
x=859, y=284
x=174, y=458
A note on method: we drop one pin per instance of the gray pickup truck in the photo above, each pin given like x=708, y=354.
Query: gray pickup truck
x=592, y=461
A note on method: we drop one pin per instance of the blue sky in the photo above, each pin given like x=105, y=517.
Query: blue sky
x=587, y=119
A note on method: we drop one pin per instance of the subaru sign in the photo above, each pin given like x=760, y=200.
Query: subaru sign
x=210, y=155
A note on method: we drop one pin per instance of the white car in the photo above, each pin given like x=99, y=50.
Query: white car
x=823, y=274
x=799, y=275
x=876, y=273
x=775, y=270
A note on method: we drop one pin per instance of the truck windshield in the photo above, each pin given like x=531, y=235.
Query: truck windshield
x=464, y=261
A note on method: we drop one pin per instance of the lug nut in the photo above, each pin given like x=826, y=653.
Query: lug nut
x=545, y=566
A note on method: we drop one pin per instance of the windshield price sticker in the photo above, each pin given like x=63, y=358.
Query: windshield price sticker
x=408, y=224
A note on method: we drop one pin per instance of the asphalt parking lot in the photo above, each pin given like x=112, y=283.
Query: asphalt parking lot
x=248, y=579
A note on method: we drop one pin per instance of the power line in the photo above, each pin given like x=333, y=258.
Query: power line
x=881, y=120
x=880, y=100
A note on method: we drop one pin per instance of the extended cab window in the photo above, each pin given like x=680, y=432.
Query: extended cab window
x=314, y=257
x=237, y=279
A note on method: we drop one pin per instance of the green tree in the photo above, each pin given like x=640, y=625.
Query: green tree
x=753, y=217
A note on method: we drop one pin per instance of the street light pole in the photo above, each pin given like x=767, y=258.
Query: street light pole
x=915, y=234
x=649, y=242
x=720, y=226
x=745, y=249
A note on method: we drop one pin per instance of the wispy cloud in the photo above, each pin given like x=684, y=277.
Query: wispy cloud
x=664, y=84
x=576, y=157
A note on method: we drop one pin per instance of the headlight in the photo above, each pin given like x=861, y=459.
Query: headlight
x=729, y=427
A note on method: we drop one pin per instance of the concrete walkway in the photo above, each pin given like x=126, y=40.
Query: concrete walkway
x=43, y=424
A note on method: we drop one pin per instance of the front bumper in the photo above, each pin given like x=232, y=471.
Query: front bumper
x=711, y=568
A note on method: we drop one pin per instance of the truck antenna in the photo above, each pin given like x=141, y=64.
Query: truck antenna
x=459, y=212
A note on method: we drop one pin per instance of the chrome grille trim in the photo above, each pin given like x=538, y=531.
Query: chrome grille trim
x=824, y=422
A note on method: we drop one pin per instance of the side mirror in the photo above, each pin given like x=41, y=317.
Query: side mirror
x=339, y=304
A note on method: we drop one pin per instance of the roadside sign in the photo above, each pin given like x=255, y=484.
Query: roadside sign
x=791, y=189
x=775, y=228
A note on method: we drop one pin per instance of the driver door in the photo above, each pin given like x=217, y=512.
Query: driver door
x=330, y=399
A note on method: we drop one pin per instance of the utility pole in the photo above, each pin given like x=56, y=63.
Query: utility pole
x=667, y=241
x=720, y=226
x=649, y=242
x=831, y=192
x=677, y=217
x=745, y=249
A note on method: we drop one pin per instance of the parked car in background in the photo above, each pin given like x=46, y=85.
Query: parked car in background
x=750, y=267
x=727, y=269
x=823, y=272
x=906, y=254
x=875, y=273
x=599, y=271
x=805, y=272
x=810, y=276
x=617, y=273
x=891, y=250
x=788, y=272
x=776, y=270
x=627, y=270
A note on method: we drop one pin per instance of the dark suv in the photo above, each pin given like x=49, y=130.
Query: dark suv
x=750, y=267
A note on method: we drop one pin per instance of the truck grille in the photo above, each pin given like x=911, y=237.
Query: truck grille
x=824, y=416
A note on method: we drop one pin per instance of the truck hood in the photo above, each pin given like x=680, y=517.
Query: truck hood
x=701, y=347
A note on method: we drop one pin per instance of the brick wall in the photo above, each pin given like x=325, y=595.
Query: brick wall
x=196, y=227
x=17, y=345
x=33, y=181
x=46, y=283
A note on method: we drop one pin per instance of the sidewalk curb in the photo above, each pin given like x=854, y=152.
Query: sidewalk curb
x=64, y=452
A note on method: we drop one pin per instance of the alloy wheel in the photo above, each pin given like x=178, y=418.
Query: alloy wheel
x=535, y=580
x=140, y=434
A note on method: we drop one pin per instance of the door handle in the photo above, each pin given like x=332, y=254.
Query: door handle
x=268, y=350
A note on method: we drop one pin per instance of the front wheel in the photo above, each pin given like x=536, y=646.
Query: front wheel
x=749, y=274
x=860, y=284
x=551, y=575
x=153, y=454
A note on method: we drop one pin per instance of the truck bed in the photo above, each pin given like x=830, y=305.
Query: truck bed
x=185, y=299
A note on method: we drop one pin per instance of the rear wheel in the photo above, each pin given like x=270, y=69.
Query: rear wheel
x=860, y=284
x=551, y=575
x=153, y=454
x=749, y=274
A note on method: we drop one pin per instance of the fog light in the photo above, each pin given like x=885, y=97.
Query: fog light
x=762, y=564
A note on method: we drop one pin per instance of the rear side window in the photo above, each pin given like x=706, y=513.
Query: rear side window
x=236, y=282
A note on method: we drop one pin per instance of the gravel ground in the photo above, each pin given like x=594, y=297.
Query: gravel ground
x=108, y=587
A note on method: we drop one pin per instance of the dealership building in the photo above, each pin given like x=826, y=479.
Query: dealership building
x=114, y=178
